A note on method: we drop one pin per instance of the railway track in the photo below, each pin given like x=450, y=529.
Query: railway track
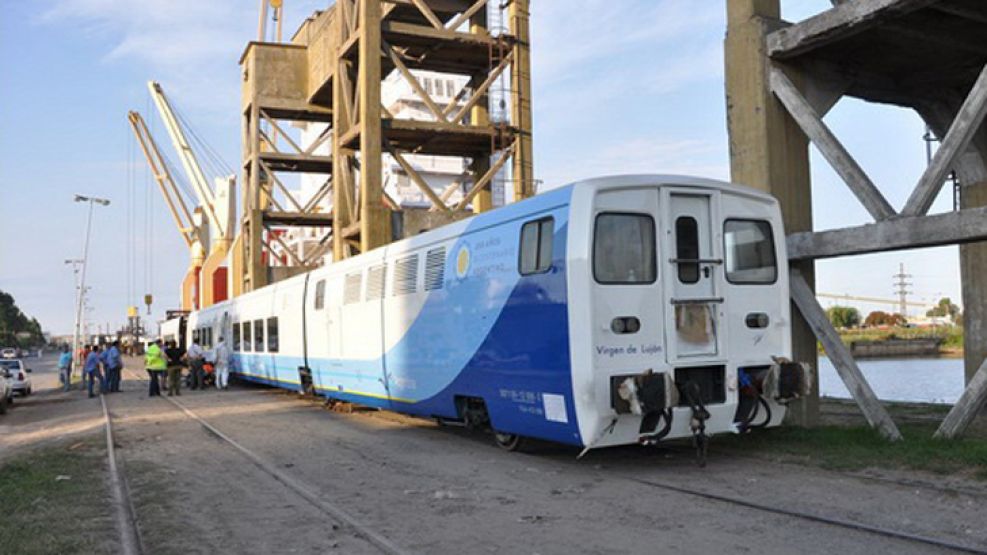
x=811, y=517
x=386, y=546
x=835, y=522
x=126, y=516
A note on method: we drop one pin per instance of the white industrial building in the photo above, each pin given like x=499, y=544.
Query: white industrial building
x=440, y=172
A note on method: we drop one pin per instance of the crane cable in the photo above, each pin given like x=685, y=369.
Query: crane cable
x=218, y=165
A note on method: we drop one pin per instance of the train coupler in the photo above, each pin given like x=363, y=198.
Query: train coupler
x=787, y=381
x=652, y=395
x=697, y=421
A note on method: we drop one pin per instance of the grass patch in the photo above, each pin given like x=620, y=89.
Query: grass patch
x=44, y=514
x=859, y=447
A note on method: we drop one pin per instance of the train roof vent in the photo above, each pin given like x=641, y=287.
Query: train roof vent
x=351, y=288
x=375, y=282
x=435, y=264
x=406, y=275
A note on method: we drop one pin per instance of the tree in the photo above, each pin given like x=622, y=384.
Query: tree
x=14, y=324
x=945, y=309
x=881, y=318
x=843, y=316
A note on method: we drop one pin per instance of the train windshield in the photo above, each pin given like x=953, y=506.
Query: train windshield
x=750, y=252
x=624, y=249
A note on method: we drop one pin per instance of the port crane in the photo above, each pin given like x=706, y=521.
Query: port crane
x=208, y=229
x=190, y=223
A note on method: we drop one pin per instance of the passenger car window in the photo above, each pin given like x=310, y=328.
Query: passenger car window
x=272, y=335
x=687, y=248
x=320, y=294
x=406, y=275
x=750, y=252
x=536, y=246
x=247, y=341
x=624, y=249
x=259, y=336
x=236, y=336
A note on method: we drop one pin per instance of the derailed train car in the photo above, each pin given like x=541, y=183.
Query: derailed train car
x=617, y=310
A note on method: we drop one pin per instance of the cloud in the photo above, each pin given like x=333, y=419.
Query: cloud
x=191, y=46
x=567, y=35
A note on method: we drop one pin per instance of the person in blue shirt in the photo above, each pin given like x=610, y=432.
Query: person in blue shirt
x=65, y=367
x=91, y=372
x=113, y=366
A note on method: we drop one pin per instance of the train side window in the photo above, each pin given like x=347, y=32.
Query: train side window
x=536, y=246
x=435, y=264
x=687, y=248
x=624, y=249
x=272, y=334
x=406, y=275
x=236, y=336
x=320, y=294
x=749, y=249
x=195, y=336
x=248, y=342
x=351, y=288
x=375, y=282
x=259, y=336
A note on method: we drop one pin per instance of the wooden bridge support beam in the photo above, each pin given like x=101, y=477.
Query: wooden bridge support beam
x=770, y=152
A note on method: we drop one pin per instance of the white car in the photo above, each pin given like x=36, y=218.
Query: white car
x=19, y=380
x=6, y=391
x=9, y=352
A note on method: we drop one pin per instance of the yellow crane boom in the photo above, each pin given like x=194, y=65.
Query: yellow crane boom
x=166, y=183
x=189, y=222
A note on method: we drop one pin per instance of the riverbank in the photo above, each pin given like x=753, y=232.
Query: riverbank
x=950, y=339
x=844, y=442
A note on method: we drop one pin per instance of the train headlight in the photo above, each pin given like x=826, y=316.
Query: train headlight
x=625, y=324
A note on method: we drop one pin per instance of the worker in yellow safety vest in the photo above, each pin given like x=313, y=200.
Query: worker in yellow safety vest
x=154, y=362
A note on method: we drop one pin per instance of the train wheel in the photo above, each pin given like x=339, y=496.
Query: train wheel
x=507, y=442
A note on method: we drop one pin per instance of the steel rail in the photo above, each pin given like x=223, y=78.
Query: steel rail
x=124, y=514
x=822, y=519
x=832, y=521
x=802, y=515
x=378, y=540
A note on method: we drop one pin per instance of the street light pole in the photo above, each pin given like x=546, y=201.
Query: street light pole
x=82, y=280
x=75, y=262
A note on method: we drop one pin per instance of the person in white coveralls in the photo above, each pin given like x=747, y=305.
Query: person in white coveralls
x=221, y=354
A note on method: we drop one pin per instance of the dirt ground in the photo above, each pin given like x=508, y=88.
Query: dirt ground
x=434, y=489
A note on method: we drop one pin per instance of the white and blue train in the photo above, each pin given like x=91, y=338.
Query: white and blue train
x=611, y=311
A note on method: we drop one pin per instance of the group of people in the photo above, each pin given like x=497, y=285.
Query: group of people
x=167, y=358
x=99, y=364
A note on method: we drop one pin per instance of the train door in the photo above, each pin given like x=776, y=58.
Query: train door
x=334, y=326
x=316, y=344
x=225, y=328
x=692, y=267
x=627, y=316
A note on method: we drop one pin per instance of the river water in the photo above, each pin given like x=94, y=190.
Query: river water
x=926, y=380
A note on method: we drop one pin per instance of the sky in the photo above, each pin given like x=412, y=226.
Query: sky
x=632, y=90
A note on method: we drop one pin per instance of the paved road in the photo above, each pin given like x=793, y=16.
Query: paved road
x=49, y=414
x=436, y=489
